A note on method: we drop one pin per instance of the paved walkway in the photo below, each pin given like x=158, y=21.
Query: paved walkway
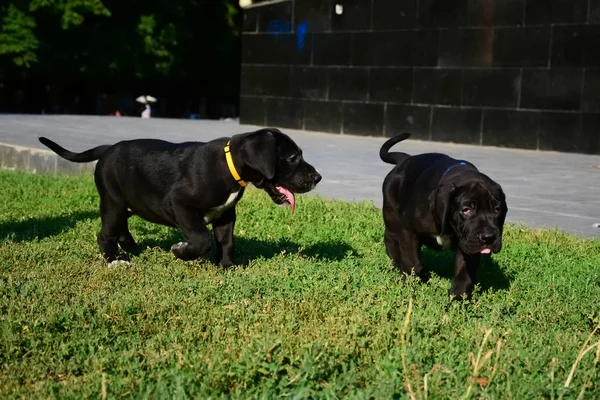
x=542, y=188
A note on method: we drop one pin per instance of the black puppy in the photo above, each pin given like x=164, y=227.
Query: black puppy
x=188, y=185
x=434, y=200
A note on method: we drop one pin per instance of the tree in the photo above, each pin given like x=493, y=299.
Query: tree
x=172, y=47
x=17, y=30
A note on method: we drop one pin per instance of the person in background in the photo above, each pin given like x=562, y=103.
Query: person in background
x=146, y=100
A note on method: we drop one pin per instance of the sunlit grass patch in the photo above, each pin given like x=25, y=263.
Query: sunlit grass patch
x=314, y=309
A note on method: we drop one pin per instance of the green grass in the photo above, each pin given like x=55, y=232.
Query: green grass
x=315, y=310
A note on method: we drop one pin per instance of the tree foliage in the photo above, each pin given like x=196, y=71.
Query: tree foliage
x=18, y=37
x=113, y=45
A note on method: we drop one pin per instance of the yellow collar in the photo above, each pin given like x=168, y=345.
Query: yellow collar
x=232, y=169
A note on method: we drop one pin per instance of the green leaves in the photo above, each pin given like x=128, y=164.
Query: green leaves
x=102, y=45
x=158, y=42
x=72, y=11
x=17, y=38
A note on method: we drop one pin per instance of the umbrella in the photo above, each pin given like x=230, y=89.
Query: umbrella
x=146, y=99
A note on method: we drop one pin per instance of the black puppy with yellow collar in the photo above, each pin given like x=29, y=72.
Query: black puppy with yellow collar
x=189, y=185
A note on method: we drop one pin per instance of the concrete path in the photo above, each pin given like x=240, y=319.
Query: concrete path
x=542, y=188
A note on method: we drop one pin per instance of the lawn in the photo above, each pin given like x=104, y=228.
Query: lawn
x=314, y=309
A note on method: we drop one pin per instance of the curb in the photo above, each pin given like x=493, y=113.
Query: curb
x=34, y=160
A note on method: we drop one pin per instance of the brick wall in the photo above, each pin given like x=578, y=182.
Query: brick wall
x=513, y=73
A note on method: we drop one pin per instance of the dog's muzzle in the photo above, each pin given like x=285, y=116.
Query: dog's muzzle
x=486, y=242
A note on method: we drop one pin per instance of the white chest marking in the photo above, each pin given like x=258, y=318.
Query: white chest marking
x=445, y=241
x=217, y=211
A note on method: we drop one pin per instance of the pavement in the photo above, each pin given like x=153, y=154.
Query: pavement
x=543, y=189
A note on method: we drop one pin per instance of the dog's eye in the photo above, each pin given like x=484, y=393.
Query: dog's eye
x=497, y=209
x=466, y=210
x=293, y=158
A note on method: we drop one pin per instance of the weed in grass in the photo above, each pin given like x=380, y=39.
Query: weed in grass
x=314, y=310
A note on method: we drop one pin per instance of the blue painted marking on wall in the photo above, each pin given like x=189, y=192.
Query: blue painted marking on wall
x=281, y=29
x=301, y=35
x=278, y=27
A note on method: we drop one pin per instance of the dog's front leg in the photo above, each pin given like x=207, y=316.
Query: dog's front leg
x=403, y=248
x=196, y=234
x=223, y=228
x=465, y=268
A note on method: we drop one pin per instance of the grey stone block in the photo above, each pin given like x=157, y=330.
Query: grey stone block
x=15, y=157
x=42, y=162
x=67, y=167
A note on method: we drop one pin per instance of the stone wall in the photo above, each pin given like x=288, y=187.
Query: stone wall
x=512, y=73
x=39, y=161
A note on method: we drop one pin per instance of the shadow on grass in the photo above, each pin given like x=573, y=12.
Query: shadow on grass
x=246, y=249
x=249, y=249
x=43, y=227
x=489, y=274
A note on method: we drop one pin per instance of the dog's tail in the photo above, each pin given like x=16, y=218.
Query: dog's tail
x=395, y=157
x=86, y=156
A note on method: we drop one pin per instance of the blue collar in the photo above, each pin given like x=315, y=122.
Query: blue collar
x=453, y=166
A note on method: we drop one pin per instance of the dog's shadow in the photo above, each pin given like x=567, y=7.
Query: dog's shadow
x=42, y=227
x=489, y=274
x=249, y=249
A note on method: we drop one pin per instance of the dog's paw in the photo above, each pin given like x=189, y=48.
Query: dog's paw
x=187, y=251
x=182, y=251
x=225, y=264
x=179, y=248
x=456, y=296
x=119, y=263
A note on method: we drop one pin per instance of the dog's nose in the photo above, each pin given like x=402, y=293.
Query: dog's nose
x=487, y=238
x=318, y=178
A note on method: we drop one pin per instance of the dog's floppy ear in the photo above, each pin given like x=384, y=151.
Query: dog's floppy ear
x=502, y=198
x=440, y=202
x=259, y=152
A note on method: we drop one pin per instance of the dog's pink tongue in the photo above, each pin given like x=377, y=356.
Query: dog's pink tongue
x=289, y=196
x=486, y=251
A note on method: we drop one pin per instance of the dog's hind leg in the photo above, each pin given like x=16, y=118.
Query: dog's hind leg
x=403, y=248
x=126, y=241
x=114, y=218
x=197, y=235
